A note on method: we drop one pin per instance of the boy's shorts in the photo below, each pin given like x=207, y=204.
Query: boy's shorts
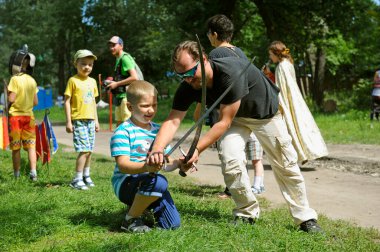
x=164, y=210
x=253, y=149
x=122, y=112
x=84, y=135
x=22, y=131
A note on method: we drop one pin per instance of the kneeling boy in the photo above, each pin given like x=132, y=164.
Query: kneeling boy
x=134, y=182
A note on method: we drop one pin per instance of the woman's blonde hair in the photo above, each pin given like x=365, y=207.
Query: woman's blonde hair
x=280, y=50
x=138, y=89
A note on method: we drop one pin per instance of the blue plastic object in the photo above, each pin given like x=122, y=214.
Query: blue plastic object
x=45, y=98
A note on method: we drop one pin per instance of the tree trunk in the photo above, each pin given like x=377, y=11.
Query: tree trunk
x=61, y=73
x=61, y=50
x=267, y=15
x=319, y=75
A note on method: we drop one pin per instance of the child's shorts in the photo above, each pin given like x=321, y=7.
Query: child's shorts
x=122, y=112
x=165, y=212
x=253, y=149
x=22, y=131
x=84, y=135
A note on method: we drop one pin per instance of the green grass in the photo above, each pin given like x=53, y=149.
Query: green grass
x=50, y=216
x=349, y=128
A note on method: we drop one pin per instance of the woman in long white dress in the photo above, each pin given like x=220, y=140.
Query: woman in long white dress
x=307, y=138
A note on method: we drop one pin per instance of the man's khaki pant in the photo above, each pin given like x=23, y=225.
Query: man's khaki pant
x=277, y=144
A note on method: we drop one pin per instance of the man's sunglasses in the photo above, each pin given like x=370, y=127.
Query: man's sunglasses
x=190, y=73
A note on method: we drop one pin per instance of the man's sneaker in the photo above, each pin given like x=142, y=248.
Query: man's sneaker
x=78, y=184
x=257, y=190
x=88, y=181
x=135, y=225
x=311, y=226
x=238, y=220
x=33, y=177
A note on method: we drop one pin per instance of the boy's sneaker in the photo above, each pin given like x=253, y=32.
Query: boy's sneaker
x=257, y=190
x=135, y=225
x=88, y=181
x=78, y=184
x=262, y=188
x=148, y=218
x=33, y=177
x=311, y=226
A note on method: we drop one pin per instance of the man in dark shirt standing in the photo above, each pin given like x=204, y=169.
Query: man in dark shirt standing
x=250, y=105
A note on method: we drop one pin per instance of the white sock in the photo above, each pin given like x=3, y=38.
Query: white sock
x=257, y=181
x=33, y=172
x=86, y=171
x=79, y=176
x=127, y=217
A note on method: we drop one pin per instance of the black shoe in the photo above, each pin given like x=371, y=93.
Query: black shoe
x=311, y=226
x=135, y=225
x=227, y=191
x=243, y=220
x=148, y=218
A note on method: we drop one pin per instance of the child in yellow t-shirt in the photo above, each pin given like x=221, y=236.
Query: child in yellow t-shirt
x=22, y=94
x=81, y=116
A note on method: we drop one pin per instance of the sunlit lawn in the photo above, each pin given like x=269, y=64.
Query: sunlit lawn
x=51, y=216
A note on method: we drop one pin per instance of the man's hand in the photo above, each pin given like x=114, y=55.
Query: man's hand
x=112, y=85
x=172, y=165
x=191, y=164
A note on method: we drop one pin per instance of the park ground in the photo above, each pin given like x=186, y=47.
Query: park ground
x=344, y=185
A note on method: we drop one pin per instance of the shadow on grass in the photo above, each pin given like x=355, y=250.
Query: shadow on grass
x=104, y=218
x=104, y=160
x=54, y=183
x=111, y=220
x=198, y=191
x=210, y=215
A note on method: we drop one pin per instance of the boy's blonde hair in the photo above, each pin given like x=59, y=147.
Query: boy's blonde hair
x=138, y=89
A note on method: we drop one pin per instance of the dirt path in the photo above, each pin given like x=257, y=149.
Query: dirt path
x=331, y=190
x=344, y=185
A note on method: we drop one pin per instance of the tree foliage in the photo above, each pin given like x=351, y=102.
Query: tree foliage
x=324, y=33
x=337, y=39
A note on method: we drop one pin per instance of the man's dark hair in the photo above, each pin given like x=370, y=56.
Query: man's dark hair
x=222, y=25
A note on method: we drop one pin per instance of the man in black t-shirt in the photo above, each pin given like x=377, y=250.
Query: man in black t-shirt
x=251, y=105
x=220, y=30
